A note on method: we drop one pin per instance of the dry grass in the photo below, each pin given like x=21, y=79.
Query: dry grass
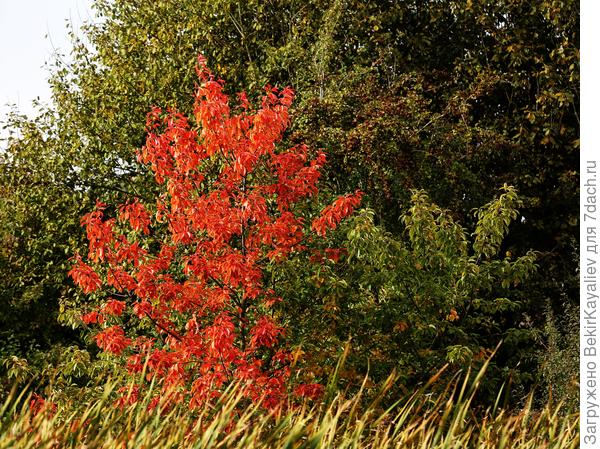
x=450, y=420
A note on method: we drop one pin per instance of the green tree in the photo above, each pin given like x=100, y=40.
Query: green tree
x=436, y=294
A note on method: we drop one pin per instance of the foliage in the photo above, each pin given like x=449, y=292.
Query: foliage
x=559, y=360
x=455, y=98
x=412, y=304
x=38, y=231
x=425, y=419
x=458, y=98
x=194, y=267
x=56, y=165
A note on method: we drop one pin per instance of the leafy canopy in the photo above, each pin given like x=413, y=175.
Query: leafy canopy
x=413, y=303
x=191, y=268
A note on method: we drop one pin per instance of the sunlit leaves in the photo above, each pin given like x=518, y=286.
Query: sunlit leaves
x=428, y=296
x=192, y=264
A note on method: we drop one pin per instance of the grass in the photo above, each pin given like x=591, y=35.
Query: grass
x=447, y=419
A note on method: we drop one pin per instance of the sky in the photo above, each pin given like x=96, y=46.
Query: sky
x=31, y=31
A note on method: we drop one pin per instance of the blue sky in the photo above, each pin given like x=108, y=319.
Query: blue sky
x=30, y=33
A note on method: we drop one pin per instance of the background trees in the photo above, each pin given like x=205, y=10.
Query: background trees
x=456, y=98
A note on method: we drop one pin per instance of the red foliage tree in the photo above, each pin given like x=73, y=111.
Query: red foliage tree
x=192, y=264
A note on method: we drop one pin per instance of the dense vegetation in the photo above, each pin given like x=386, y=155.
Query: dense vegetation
x=418, y=421
x=457, y=120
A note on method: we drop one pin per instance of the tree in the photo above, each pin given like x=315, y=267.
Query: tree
x=38, y=229
x=194, y=267
x=412, y=303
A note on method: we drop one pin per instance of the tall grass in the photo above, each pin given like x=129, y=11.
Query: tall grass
x=446, y=419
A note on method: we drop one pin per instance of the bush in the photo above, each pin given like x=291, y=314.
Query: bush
x=436, y=295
